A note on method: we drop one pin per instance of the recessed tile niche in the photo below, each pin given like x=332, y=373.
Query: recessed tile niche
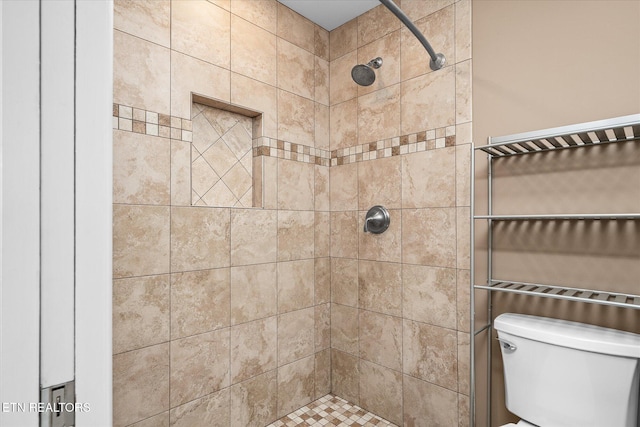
x=221, y=157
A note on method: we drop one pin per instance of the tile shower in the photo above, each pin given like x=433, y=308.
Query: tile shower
x=242, y=311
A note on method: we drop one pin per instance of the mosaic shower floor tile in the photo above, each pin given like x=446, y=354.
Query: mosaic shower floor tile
x=331, y=411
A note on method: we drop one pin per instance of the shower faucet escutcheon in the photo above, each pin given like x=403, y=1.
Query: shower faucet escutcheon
x=377, y=220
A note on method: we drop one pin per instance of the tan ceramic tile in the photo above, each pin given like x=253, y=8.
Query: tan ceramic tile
x=430, y=353
x=388, y=48
x=160, y=420
x=342, y=87
x=464, y=417
x=463, y=174
x=436, y=227
x=295, y=185
x=140, y=312
x=253, y=51
x=429, y=295
x=322, y=196
x=322, y=234
x=193, y=25
x=381, y=339
x=428, y=404
x=180, y=173
x=140, y=73
x=296, y=118
x=343, y=187
x=344, y=328
x=375, y=23
x=253, y=402
x=296, y=69
x=295, y=28
x=418, y=9
x=322, y=287
x=463, y=236
x=419, y=114
x=463, y=30
x=295, y=285
x=190, y=75
x=253, y=236
x=140, y=240
x=263, y=13
x=271, y=181
x=463, y=362
x=381, y=247
x=199, y=301
x=380, y=287
x=322, y=326
x=141, y=378
x=295, y=235
x=381, y=391
x=429, y=179
x=323, y=373
x=296, y=335
x=207, y=411
x=344, y=281
x=253, y=292
x=256, y=96
x=204, y=133
x=344, y=124
x=321, y=93
x=379, y=183
x=219, y=195
x=147, y=19
x=344, y=237
x=439, y=29
x=463, y=300
x=323, y=121
x=295, y=385
x=199, y=365
x=199, y=238
x=225, y=4
x=463, y=92
x=345, y=376
x=253, y=348
x=343, y=39
x=379, y=115
x=141, y=169
x=321, y=41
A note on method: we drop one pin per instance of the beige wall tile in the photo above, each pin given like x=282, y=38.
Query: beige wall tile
x=140, y=312
x=322, y=287
x=199, y=366
x=253, y=292
x=344, y=237
x=253, y=402
x=343, y=39
x=295, y=235
x=296, y=69
x=263, y=13
x=428, y=101
x=140, y=240
x=148, y=19
x=463, y=300
x=344, y=328
x=207, y=411
x=381, y=247
x=199, y=238
x=141, y=168
x=344, y=281
x=140, y=73
x=429, y=179
x=463, y=362
x=428, y=404
x=345, y=376
x=323, y=373
x=463, y=92
x=295, y=185
x=375, y=23
x=322, y=326
x=296, y=118
x=295, y=385
x=141, y=382
x=254, y=348
x=257, y=96
x=463, y=30
x=429, y=295
x=322, y=188
x=463, y=174
x=295, y=285
x=296, y=335
x=201, y=30
x=180, y=173
x=322, y=234
x=388, y=48
x=199, y=301
x=379, y=114
x=344, y=124
x=321, y=40
x=295, y=28
x=253, y=51
x=381, y=339
x=323, y=120
x=253, y=236
x=160, y=420
x=463, y=237
x=343, y=187
x=380, y=287
x=379, y=183
x=342, y=87
x=430, y=353
x=418, y=9
x=225, y=4
x=321, y=92
x=463, y=411
x=381, y=391
x=270, y=183
x=190, y=75
x=428, y=237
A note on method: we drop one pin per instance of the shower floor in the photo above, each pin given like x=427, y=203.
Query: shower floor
x=331, y=411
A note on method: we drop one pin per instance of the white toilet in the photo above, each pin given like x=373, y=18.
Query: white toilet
x=568, y=374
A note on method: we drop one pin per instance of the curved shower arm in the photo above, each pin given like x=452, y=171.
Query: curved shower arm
x=437, y=59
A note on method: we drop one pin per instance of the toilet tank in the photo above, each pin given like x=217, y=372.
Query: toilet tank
x=568, y=374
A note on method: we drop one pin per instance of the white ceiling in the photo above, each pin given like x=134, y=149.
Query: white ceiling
x=330, y=14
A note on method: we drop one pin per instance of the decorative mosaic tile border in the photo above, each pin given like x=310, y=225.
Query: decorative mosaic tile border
x=271, y=147
x=151, y=123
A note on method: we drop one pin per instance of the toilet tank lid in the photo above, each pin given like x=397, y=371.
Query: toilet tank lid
x=576, y=335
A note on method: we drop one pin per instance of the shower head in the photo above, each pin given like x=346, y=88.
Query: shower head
x=363, y=74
